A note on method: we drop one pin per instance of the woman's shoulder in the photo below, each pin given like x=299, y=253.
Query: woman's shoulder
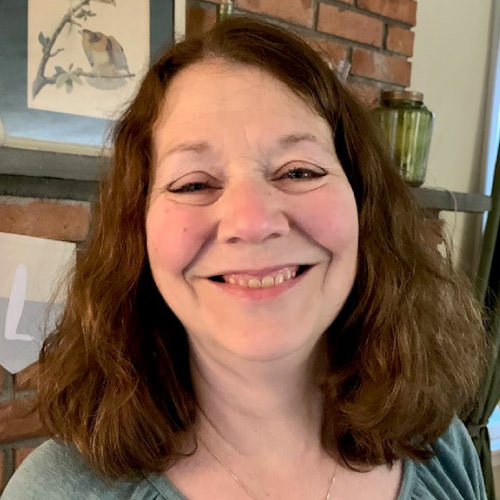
x=453, y=473
x=55, y=471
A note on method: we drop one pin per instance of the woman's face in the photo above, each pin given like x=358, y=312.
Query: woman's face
x=252, y=228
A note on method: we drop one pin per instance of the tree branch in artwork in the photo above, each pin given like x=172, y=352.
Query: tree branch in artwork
x=69, y=76
x=47, y=45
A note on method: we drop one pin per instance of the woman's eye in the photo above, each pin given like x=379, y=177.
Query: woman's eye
x=193, y=183
x=190, y=187
x=195, y=188
x=299, y=179
x=301, y=174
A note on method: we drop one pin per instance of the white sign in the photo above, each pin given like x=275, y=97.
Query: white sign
x=31, y=270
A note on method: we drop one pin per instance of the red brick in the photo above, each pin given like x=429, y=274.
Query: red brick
x=20, y=454
x=53, y=219
x=367, y=93
x=295, y=11
x=199, y=20
x=16, y=423
x=402, y=10
x=330, y=51
x=380, y=67
x=26, y=379
x=400, y=40
x=349, y=24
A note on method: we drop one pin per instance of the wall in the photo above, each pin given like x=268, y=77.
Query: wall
x=374, y=36
x=450, y=67
x=56, y=220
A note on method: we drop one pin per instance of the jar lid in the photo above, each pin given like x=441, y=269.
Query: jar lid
x=402, y=95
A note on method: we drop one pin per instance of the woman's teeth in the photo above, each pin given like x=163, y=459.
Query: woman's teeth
x=274, y=279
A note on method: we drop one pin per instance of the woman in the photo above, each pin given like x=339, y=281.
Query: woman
x=257, y=314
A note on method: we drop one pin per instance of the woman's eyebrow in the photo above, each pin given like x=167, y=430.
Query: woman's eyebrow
x=286, y=141
x=198, y=147
x=282, y=143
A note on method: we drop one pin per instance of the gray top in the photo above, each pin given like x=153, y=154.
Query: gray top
x=58, y=472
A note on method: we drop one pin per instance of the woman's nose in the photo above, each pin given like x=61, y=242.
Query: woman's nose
x=251, y=212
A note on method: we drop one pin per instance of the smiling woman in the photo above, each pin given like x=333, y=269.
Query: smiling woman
x=244, y=207
x=257, y=314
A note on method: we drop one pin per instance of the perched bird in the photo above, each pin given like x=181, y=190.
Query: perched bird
x=105, y=54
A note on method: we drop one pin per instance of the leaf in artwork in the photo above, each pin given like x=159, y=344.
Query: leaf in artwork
x=69, y=85
x=59, y=70
x=76, y=78
x=85, y=14
x=61, y=79
x=42, y=39
x=112, y=2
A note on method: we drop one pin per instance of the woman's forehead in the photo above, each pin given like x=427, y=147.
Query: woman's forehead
x=210, y=99
x=228, y=86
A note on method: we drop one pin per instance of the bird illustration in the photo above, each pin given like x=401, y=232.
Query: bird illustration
x=105, y=54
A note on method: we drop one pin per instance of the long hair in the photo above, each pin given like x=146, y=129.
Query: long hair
x=405, y=352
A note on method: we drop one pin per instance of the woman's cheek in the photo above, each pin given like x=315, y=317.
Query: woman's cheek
x=330, y=217
x=173, y=237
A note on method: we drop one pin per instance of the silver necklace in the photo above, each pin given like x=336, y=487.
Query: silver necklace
x=236, y=479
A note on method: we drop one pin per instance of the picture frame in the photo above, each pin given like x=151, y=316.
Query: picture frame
x=46, y=142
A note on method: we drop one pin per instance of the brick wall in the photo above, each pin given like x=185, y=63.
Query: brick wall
x=373, y=36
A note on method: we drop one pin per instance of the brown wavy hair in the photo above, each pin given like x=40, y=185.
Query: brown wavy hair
x=405, y=352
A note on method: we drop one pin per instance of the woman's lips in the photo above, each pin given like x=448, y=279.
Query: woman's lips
x=270, y=285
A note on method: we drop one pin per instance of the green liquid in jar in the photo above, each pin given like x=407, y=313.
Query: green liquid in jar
x=407, y=125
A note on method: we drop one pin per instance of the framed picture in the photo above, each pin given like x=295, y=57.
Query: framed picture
x=67, y=69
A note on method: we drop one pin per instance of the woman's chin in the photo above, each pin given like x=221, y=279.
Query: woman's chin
x=259, y=347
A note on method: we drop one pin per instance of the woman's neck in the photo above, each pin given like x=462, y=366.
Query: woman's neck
x=258, y=407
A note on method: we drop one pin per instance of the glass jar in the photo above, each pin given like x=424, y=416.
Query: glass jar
x=224, y=9
x=407, y=124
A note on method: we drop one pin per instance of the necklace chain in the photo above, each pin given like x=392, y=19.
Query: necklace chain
x=237, y=480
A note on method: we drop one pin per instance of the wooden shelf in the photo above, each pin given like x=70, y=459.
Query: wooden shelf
x=439, y=199
x=27, y=186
